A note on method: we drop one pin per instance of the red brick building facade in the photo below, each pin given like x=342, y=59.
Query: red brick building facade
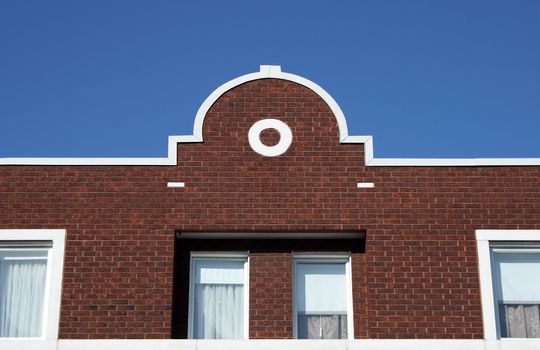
x=410, y=228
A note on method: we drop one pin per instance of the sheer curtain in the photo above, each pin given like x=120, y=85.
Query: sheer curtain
x=520, y=321
x=22, y=288
x=322, y=326
x=321, y=300
x=219, y=300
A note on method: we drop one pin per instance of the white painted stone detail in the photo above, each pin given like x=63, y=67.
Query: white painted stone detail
x=285, y=137
x=365, y=185
x=176, y=184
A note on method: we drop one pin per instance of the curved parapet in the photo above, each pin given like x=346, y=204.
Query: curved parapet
x=274, y=72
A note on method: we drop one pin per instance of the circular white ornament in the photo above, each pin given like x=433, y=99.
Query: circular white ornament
x=285, y=137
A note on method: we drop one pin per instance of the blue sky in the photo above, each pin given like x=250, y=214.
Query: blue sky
x=115, y=78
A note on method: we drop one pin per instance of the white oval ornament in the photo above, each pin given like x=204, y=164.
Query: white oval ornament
x=285, y=137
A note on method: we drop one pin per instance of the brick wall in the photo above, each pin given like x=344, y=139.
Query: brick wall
x=416, y=278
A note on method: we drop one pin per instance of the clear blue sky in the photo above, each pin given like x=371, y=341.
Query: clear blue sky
x=115, y=78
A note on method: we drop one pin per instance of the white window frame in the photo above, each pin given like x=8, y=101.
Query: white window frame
x=322, y=259
x=218, y=256
x=53, y=282
x=489, y=309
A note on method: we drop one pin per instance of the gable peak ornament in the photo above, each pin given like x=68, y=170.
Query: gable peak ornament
x=285, y=137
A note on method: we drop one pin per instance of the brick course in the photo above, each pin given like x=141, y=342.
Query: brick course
x=416, y=278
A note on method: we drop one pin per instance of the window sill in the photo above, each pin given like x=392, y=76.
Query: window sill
x=21, y=343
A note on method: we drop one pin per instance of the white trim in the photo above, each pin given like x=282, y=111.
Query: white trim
x=246, y=298
x=483, y=238
x=325, y=258
x=191, y=299
x=272, y=344
x=85, y=161
x=350, y=308
x=176, y=184
x=454, y=162
x=508, y=235
x=271, y=235
x=285, y=137
x=416, y=344
x=219, y=256
x=486, y=291
x=275, y=72
x=53, y=284
x=365, y=185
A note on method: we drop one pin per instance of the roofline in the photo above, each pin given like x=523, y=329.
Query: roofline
x=275, y=72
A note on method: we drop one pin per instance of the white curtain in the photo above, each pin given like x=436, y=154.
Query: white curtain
x=219, y=311
x=22, y=288
x=520, y=321
x=322, y=326
x=219, y=299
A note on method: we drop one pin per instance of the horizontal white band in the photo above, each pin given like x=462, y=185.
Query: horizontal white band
x=270, y=344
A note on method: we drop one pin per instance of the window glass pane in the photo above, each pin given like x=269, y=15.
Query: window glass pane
x=22, y=289
x=321, y=287
x=219, y=271
x=321, y=300
x=218, y=306
x=515, y=272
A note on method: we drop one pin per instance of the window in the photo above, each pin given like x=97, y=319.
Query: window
x=322, y=288
x=23, y=274
x=516, y=284
x=509, y=266
x=31, y=264
x=218, y=296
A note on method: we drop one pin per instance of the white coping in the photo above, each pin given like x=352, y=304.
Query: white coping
x=275, y=73
x=272, y=344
